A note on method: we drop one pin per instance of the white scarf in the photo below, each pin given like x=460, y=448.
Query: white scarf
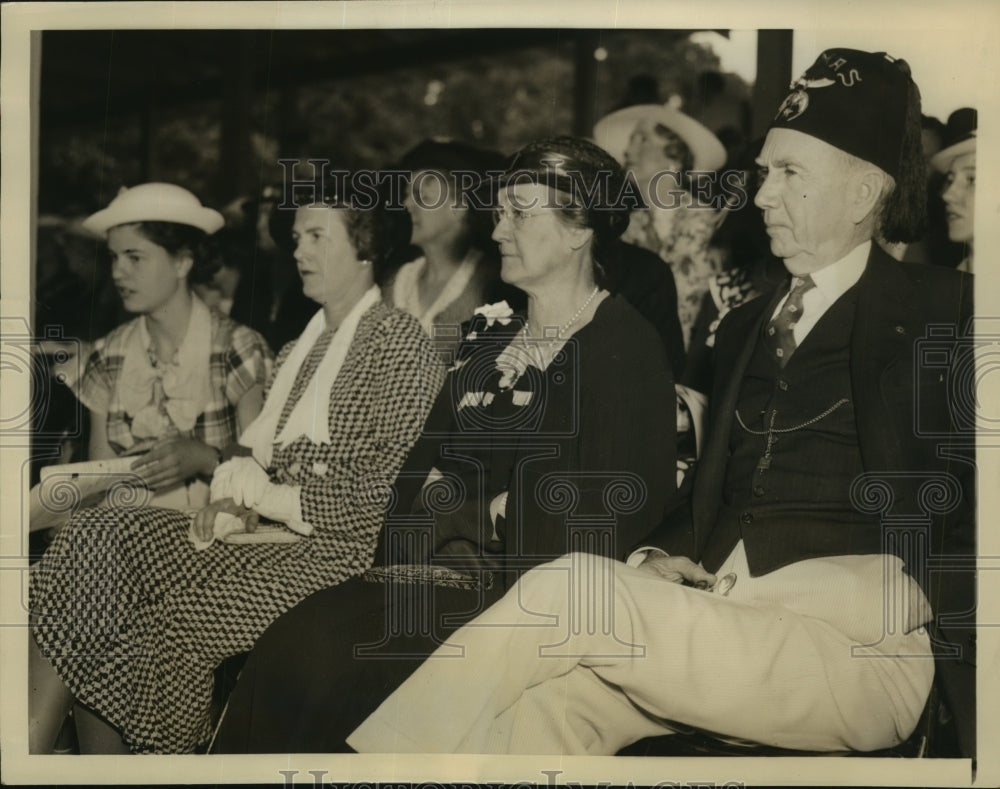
x=406, y=296
x=310, y=416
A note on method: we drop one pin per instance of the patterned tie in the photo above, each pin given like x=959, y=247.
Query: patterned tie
x=779, y=330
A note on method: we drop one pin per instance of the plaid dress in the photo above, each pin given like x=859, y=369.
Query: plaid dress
x=239, y=359
x=135, y=620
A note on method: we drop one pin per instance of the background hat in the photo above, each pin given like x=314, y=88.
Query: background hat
x=959, y=138
x=155, y=202
x=613, y=131
x=855, y=101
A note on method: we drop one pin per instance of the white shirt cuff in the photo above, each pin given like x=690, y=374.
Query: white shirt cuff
x=638, y=556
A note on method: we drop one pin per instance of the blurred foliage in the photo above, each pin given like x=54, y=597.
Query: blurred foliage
x=497, y=101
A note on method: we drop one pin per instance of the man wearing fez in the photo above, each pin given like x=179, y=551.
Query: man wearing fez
x=833, y=477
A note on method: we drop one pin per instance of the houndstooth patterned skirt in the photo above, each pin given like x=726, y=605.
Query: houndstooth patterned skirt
x=135, y=620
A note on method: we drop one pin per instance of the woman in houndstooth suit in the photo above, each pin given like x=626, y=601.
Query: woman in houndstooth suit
x=133, y=609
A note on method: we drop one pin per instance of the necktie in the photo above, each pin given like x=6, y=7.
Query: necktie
x=779, y=330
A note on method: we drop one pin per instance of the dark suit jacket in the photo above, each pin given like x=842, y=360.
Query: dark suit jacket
x=914, y=431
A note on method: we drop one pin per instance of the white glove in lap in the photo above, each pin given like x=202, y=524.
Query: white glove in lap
x=245, y=482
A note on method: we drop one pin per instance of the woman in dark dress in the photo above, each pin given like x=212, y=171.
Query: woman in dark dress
x=553, y=432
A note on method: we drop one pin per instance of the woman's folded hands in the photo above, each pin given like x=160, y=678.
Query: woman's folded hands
x=243, y=480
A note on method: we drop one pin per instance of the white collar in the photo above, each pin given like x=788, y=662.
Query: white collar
x=834, y=280
x=405, y=293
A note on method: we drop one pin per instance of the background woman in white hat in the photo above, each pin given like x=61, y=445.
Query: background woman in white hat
x=958, y=162
x=660, y=146
x=179, y=381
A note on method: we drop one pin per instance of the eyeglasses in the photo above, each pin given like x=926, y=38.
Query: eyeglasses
x=515, y=216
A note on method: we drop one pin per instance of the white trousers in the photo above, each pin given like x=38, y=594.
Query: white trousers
x=587, y=655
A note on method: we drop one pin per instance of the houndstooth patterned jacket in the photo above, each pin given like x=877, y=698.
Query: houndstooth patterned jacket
x=376, y=410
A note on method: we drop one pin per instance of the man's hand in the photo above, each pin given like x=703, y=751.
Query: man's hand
x=175, y=460
x=678, y=569
x=204, y=521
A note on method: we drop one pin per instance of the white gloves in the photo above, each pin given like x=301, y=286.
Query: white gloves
x=239, y=478
x=244, y=481
x=282, y=503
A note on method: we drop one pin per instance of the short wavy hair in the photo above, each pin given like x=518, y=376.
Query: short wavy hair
x=375, y=231
x=178, y=239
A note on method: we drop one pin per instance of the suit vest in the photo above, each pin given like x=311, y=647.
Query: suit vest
x=794, y=455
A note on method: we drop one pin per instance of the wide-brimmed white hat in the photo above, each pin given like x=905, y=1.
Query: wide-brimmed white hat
x=155, y=202
x=614, y=130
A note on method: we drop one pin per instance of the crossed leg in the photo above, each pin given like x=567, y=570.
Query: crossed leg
x=586, y=655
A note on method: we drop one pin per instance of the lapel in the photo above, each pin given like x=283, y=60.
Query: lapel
x=882, y=338
x=744, y=325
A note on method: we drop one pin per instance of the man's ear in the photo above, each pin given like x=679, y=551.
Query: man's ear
x=867, y=189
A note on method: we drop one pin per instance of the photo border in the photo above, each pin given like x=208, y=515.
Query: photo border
x=979, y=19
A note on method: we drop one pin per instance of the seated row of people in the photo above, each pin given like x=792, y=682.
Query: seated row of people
x=521, y=405
x=406, y=508
x=808, y=612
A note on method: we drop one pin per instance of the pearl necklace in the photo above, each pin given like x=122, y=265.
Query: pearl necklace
x=567, y=324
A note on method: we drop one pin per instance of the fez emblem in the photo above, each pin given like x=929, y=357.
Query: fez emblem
x=797, y=101
x=793, y=106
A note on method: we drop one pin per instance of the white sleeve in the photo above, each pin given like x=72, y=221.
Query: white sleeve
x=638, y=556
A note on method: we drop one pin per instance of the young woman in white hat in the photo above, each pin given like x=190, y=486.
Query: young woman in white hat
x=178, y=383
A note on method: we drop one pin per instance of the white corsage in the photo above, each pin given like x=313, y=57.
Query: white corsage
x=500, y=311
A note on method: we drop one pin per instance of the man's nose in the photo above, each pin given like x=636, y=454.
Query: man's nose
x=765, y=194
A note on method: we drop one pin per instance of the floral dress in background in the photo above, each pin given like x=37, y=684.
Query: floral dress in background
x=680, y=236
